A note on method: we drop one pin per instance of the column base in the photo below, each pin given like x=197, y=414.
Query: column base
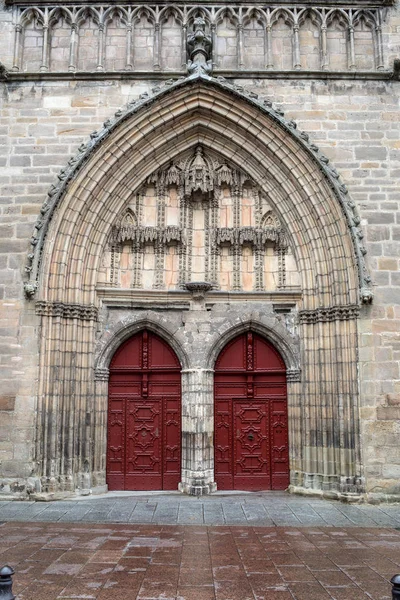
x=197, y=483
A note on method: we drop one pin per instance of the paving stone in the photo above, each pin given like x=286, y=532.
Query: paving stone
x=281, y=510
x=111, y=571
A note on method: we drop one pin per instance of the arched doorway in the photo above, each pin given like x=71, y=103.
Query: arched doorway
x=303, y=192
x=251, y=424
x=144, y=416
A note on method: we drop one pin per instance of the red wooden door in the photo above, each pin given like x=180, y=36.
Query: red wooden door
x=251, y=424
x=144, y=416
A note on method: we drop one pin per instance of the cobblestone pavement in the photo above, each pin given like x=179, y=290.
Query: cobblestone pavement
x=180, y=562
x=268, y=509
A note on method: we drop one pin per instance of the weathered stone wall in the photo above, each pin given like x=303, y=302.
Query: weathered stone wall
x=354, y=122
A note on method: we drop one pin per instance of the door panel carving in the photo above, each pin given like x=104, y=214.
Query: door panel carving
x=251, y=425
x=144, y=416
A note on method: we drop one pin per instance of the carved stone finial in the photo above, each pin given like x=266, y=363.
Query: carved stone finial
x=198, y=174
x=199, y=49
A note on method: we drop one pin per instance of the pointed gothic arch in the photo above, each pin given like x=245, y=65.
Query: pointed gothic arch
x=322, y=228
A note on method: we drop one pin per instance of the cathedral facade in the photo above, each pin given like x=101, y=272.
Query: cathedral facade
x=200, y=248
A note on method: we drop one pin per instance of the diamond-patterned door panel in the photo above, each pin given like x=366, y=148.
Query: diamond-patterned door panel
x=251, y=436
x=251, y=448
x=144, y=423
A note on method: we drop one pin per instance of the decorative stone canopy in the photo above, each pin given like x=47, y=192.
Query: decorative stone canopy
x=324, y=188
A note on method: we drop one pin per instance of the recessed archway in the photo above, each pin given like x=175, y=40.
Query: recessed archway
x=321, y=227
x=144, y=416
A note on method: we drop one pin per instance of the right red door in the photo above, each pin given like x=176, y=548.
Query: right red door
x=251, y=422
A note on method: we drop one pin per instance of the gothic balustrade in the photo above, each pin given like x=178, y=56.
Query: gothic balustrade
x=156, y=38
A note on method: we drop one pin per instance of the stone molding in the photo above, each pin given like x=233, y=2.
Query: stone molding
x=85, y=150
x=101, y=374
x=66, y=311
x=19, y=76
x=293, y=375
x=326, y=315
x=209, y=3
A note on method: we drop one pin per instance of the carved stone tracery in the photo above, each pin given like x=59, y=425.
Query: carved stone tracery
x=199, y=32
x=201, y=182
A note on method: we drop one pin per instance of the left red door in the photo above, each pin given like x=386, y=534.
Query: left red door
x=144, y=416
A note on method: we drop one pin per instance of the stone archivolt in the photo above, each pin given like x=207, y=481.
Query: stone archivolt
x=330, y=175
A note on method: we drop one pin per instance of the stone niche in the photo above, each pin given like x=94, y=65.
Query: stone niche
x=199, y=219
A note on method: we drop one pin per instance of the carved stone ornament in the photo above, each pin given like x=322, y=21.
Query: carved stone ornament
x=333, y=313
x=58, y=189
x=3, y=72
x=199, y=48
x=198, y=289
x=30, y=289
x=144, y=235
x=67, y=311
x=198, y=172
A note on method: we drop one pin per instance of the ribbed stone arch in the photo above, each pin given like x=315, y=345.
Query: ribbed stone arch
x=322, y=228
x=303, y=189
x=113, y=338
x=286, y=344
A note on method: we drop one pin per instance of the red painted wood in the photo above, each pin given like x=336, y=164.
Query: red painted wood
x=251, y=424
x=144, y=416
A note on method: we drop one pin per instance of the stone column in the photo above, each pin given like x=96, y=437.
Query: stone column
x=72, y=48
x=128, y=57
x=324, y=48
x=17, y=48
x=197, y=432
x=156, y=47
x=329, y=420
x=214, y=44
x=296, y=47
x=100, y=50
x=350, y=49
x=65, y=416
x=184, y=46
x=269, y=63
x=240, y=48
x=99, y=429
x=45, y=50
x=379, y=48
